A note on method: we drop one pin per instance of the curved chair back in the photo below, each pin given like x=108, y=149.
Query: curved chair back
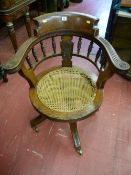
x=67, y=35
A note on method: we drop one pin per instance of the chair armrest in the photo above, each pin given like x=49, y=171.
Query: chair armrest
x=14, y=64
x=113, y=56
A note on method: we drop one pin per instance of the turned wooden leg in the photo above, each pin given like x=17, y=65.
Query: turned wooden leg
x=74, y=131
x=3, y=74
x=12, y=35
x=5, y=79
x=27, y=23
x=34, y=122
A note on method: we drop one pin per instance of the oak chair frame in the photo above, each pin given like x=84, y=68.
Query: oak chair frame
x=66, y=25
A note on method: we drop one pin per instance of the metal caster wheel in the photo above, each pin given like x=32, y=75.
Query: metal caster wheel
x=36, y=129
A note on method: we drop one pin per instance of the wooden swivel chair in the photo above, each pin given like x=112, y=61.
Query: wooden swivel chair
x=66, y=65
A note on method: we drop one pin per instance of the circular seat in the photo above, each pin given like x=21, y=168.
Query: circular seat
x=67, y=89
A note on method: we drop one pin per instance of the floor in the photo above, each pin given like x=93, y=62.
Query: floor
x=105, y=137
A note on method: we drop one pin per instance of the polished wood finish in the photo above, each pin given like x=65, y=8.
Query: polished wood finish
x=62, y=28
x=10, y=10
x=74, y=131
x=126, y=3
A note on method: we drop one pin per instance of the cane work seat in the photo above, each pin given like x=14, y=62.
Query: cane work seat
x=66, y=64
x=64, y=90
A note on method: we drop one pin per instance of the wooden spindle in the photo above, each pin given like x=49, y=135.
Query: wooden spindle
x=34, y=54
x=102, y=61
x=79, y=45
x=54, y=45
x=98, y=55
x=29, y=62
x=90, y=48
x=43, y=48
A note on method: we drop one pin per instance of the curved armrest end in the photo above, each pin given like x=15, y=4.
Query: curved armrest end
x=113, y=56
x=14, y=64
x=124, y=65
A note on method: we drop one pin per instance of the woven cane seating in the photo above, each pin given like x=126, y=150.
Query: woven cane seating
x=64, y=90
x=66, y=64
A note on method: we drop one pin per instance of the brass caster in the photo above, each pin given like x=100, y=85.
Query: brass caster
x=79, y=151
x=36, y=129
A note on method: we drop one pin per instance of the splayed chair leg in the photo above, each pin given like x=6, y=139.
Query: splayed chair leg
x=34, y=122
x=74, y=131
